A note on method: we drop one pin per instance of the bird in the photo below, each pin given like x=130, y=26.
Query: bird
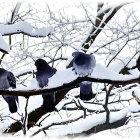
x=44, y=72
x=83, y=65
x=7, y=80
x=138, y=63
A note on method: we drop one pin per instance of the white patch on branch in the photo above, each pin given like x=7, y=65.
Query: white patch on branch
x=25, y=28
x=3, y=45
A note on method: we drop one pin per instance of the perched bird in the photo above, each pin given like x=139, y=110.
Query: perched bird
x=138, y=63
x=8, y=80
x=83, y=65
x=44, y=72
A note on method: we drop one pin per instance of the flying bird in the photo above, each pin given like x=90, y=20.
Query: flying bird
x=138, y=63
x=83, y=65
x=7, y=80
x=44, y=72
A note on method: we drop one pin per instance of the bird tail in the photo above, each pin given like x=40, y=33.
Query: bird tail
x=138, y=64
x=86, y=97
x=11, y=100
x=48, y=102
x=86, y=91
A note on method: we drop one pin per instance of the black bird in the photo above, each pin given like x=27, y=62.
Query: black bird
x=83, y=65
x=44, y=72
x=138, y=63
x=8, y=80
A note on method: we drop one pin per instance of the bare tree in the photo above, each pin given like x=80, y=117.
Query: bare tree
x=31, y=37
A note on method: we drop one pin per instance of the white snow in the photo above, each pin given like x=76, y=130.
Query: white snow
x=34, y=84
x=82, y=124
x=43, y=31
x=137, y=92
x=61, y=77
x=25, y=27
x=3, y=45
x=101, y=72
x=62, y=103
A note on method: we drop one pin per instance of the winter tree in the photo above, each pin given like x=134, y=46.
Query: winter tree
x=108, y=31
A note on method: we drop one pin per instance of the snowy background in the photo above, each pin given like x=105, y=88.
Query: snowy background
x=52, y=30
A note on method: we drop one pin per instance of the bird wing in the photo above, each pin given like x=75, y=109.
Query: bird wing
x=54, y=71
x=11, y=79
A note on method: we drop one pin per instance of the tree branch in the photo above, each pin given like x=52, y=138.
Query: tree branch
x=100, y=24
x=106, y=103
x=67, y=86
x=63, y=122
x=25, y=33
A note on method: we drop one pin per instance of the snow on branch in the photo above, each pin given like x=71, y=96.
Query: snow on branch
x=58, y=122
x=102, y=18
x=24, y=28
x=92, y=122
x=66, y=79
x=4, y=47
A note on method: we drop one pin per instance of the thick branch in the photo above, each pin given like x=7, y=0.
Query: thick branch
x=67, y=86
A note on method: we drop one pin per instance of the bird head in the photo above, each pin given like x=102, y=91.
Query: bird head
x=39, y=62
x=80, y=58
x=75, y=54
x=2, y=71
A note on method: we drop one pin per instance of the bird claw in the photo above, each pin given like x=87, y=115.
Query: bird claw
x=89, y=74
x=46, y=85
x=86, y=74
x=81, y=75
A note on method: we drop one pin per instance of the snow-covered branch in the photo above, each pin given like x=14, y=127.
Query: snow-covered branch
x=58, y=122
x=61, y=81
x=24, y=28
x=103, y=17
x=93, y=123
